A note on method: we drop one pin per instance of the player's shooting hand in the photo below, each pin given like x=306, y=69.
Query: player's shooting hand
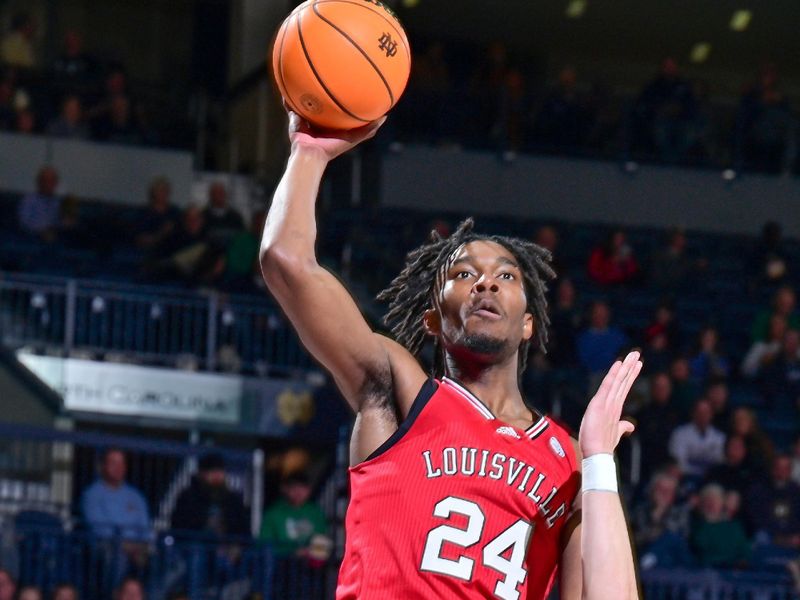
x=601, y=428
x=332, y=142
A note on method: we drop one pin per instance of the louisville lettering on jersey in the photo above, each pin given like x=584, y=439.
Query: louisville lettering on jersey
x=496, y=466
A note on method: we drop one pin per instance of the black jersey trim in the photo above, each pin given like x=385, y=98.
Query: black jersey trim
x=425, y=393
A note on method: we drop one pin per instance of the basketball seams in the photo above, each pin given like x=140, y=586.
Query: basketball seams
x=319, y=79
x=394, y=26
x=282, y=82
x=361, y=50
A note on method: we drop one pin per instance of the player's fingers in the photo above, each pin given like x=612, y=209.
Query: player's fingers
x=608, y=380
x=621, y=376
x=622, y=394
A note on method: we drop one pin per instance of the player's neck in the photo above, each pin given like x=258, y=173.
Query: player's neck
x=496, y=385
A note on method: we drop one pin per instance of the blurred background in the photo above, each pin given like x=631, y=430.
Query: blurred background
x=163, y=432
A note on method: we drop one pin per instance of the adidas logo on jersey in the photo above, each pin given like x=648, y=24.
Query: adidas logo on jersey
x=556, y=447
x=506, y=430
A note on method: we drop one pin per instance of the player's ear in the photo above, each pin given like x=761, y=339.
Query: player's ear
x=432, y=322
x=528, y=326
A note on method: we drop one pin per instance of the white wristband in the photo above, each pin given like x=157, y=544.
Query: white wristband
x=599, y=473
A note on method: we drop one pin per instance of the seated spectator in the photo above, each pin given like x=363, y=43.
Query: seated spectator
x=764, y=352
x=660, y=339
x=294, y=520
x=684, y=391
x=655, y=423
x=600, y=343
x=112, y=507
x=160, y=219
x=66, y=591
x=718, y=394
x=796, y=461
x=30, y=592
x=660, y=525
x=671, y=268
x=130, y=589
x=708, y=360
x=717, y=540
x=735, y=474
x=613, y=263
x=784, y=303
x=763, y=124
x=547, y=237
x=69, y=124
x=773, y=508
x=664, y=323
x=26, y=121
x=222, y=221
x=565, y=318
x=187, y=254
x=118, y=126
x=697, y=445
x=16, y=49
x=760, y=450
x=769, y=263
x=73, y=69
x=242, y=268
x=563, y=121
x=664, y=114
x=8, y=112
x=39, y=212
x=208, y=506
x=781, y=380
x=8, y=587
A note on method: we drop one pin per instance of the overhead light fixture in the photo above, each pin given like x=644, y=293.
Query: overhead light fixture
x=700, y=52
x=410, y=3
x=576, y=8
x=740, y=20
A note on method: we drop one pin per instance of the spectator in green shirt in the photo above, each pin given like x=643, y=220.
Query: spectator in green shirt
x=784, y=303
x=717, y=540
x=293, y=521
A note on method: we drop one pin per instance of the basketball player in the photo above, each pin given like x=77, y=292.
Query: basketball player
x=458, y=489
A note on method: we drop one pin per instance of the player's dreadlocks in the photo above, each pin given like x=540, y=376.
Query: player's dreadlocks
x=412, y=292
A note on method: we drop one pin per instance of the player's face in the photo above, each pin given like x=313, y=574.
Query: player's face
x=483, y=308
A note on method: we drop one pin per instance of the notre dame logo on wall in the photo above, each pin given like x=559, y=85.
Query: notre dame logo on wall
x=295, y=408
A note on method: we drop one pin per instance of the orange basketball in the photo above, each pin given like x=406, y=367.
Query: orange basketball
x=341, y=63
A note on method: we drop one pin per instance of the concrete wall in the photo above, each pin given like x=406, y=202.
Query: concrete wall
x=91, y=170
x=587, y=190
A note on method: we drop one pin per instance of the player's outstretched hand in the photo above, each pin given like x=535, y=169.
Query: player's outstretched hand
x=332, y=142
x=601, y=427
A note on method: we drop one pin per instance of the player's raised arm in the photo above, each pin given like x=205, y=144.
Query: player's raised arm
x=320, y=308
x=597, y=561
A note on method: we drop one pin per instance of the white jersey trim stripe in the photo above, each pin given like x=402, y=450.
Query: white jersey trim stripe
x=469, y=397
x=532, y=431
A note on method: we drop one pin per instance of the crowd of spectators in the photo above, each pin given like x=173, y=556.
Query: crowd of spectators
x=207, y=511
x=487, y=97
x=75, y=96
x=207, y=245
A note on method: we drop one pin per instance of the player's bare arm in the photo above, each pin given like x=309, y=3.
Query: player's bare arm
x=597, y=560
x=378, y=377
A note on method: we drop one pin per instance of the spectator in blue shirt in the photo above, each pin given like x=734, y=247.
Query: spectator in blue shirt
x=116, y=512
x=40, y=212
x=601, y=343
x=111, y=506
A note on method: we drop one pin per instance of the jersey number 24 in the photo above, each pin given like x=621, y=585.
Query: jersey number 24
x=515, y=537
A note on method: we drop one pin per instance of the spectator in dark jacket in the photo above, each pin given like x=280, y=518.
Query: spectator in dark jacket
x=208, y=506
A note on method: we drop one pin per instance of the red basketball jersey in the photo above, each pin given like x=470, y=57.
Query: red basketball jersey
x=457, y=504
